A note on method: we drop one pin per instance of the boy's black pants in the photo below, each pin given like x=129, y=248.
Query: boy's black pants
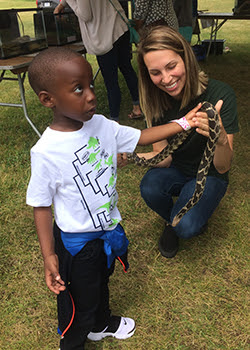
x=86, y=276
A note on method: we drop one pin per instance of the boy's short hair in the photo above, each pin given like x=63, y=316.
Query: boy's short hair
x=41, y=72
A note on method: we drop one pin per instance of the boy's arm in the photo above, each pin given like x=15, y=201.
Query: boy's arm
x=161, y=132
x=157, y=136
x=44, y=228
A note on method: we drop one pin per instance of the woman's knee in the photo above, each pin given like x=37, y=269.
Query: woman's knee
x=149, y=187
x=188, y=228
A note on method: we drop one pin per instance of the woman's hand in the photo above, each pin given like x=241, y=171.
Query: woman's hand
x=223, y=154
x=157, y=148
x=202, y=125
x=163, y=164
x=58, y=9
x=121, y=160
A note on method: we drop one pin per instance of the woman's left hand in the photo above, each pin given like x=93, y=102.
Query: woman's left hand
x=121, y=160
x=202, y=125
x=58, y=9
x=224, y=148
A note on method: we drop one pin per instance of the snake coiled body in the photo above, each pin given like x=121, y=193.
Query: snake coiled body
x=207, y=157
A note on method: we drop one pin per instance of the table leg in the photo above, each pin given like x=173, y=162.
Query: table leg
x=96, y=73
x=22, y=93
x=213, y=35
x=20, y=80
x=213, y=28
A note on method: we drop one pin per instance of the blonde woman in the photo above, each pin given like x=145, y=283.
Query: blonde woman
x=171, y=84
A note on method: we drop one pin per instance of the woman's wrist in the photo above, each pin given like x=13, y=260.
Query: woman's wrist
x=223, y=138
x=182, y=122
x=59, y=8
x=63, y=3
x=222, y=142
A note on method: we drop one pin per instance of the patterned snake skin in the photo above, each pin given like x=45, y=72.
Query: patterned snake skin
x=177, y=140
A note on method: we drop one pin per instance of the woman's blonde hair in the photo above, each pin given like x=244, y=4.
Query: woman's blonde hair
x=153, y=100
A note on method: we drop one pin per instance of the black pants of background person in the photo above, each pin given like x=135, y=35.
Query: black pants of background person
x=86, y=276
x=124, y=4
x=118, y=57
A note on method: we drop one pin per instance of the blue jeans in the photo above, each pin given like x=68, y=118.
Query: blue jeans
x=160, y=185
x=118, y=57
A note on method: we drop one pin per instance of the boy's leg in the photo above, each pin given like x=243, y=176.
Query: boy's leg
x=103, y=312
x=107, y=325
x=85, y=288
x=74, y=339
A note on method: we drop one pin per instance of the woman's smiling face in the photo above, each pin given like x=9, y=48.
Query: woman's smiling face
x=167, y=71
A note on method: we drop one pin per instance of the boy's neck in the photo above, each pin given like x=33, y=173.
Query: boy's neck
x=66, y=127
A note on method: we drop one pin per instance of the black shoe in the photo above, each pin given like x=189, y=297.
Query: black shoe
x=168, y=242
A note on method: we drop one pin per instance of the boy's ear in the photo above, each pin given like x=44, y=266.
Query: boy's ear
x=46, y=99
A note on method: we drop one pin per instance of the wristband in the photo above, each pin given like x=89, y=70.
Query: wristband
x=182, y=122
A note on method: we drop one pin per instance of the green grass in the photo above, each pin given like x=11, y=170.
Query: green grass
x=197, y=301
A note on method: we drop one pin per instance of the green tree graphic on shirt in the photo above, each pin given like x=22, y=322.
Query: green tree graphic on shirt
x=114, y=222
x=93, y=142
x=98, y=165
x=92, y=157
x=106, y=206
x=109, y=161
x=112, y=180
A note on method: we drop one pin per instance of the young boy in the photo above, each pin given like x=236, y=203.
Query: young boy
x=73, y=167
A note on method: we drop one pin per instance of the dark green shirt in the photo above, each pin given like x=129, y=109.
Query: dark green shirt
x=187, y=157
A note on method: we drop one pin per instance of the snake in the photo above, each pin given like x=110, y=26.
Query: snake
x=206, y=159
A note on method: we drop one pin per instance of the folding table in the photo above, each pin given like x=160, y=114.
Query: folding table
x=19, y=66
x=216, y=25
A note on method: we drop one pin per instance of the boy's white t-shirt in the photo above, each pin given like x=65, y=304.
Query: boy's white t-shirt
x=77, y=171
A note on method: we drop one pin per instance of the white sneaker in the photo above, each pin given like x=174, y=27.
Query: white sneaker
x=125, y=330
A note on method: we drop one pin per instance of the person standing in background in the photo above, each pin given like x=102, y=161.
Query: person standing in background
x=154, y=12
x=106, y=35
x=184, y=13
x=124, y=5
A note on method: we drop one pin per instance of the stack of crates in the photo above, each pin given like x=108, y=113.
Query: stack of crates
x=17, y=32
x=61, y=29
x=216, y=48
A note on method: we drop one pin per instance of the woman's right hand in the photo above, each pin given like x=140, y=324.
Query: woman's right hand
x=59, y=8
x=157, y=148
x=163, y=164
x=121, y=160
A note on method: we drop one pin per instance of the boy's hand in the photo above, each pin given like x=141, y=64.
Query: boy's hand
x=52, y=277
x=191, y=115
